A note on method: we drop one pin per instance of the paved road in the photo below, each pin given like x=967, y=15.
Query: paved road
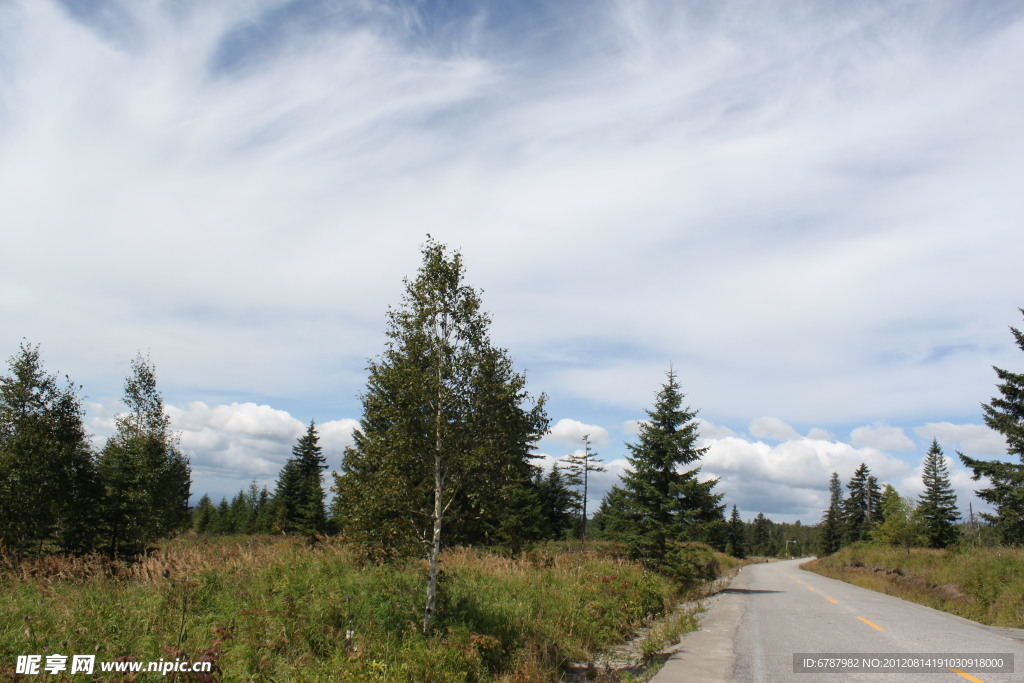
x=772, y=611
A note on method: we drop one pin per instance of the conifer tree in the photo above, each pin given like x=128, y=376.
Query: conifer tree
x=299, y=498
x=146, y=477
x=937, y=504
x=578, y=467
x=737, y=537
x=668, y=504
x=614, y=521
x=446, y=432
x=761, y=537
x=557, y=503
x=1005, y=414
x=860, y=509
x=831, y=538
x=48, y=486
x=202, y=514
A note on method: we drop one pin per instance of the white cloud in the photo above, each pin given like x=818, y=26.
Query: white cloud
x=881, y=436
x=709, y=430
x=571, y=432
x=239, y=442
x=772, y=428
x=243, y=186
x=972, y=439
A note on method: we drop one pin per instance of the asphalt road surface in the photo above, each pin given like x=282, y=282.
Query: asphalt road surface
x=775, y=611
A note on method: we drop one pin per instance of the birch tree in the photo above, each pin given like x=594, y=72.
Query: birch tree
x=447, y=423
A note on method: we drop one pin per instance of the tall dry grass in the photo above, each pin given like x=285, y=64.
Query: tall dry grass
x=275, y=608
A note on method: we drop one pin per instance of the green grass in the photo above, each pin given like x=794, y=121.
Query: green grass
x=278, y=609
x=982, y=584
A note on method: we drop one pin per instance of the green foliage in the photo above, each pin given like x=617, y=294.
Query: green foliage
x=48, y=487
x=146, y=478
x=660, y=502
x=937, y=504
x=443, y=449
x=251, y=511
x=860, y=509
x=299, y=498
x=737, y=543
x=578, y=467
x=831, y=538
x=274, y=608
x=900, y=523
x=761, y=541
x=1005, y=414
x=557, y=503
x=983, y=584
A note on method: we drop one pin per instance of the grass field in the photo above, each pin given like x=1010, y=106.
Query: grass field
x=983, y=584
x=265, y=609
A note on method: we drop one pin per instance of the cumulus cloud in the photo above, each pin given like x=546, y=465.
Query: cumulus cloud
x=772, y=428
x=972, y=439
x=882, y=436
x=571, y=432
x=235, y=443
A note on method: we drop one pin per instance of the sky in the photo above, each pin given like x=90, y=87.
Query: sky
x=811, y=210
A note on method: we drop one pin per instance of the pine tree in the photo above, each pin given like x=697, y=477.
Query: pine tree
x=1005, y=414
x=445, y=438
x=668, y=504
x=831, y=538
x=937, y=505
x=578, y=467
x=146, y=477
x=737, y=538
x=48, y=486
x=299, y=497
x=860, y=509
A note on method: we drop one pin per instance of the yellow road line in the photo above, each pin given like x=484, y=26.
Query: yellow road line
x=967, y=676
x=875, y=626
x=809, y=588
x=830, y=600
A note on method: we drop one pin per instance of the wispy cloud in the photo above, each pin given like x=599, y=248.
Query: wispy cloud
x=810, y=209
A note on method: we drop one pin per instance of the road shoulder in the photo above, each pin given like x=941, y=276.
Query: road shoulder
x=707, y=654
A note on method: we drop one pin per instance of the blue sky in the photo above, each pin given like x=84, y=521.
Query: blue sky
x=812, y=210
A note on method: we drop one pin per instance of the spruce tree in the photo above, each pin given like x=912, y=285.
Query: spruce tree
x=447, y=429
x=48, y=485
x=832, y=535
x=202, y=514
x=145, y=475
x=761, y=537
x=860, y=509
x=668, y=504
x=557, y=503
x=737, y=546
x=299, y=498
x=937, y=504
x=1005, y=414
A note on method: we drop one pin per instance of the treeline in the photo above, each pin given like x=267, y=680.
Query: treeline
x=881, y=515
x=298, y=506
x=57, y=493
